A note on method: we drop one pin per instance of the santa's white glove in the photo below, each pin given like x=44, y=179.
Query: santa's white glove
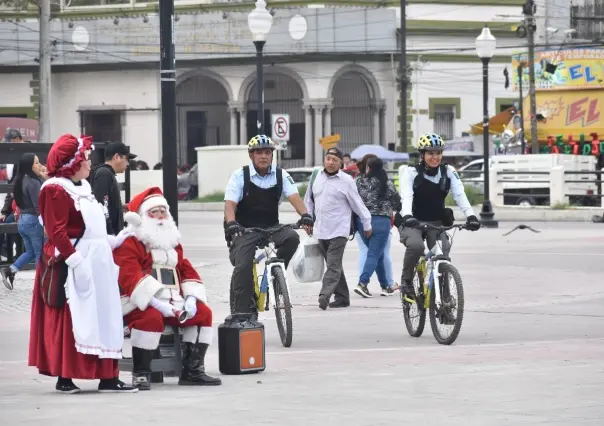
x=165, y=308
x=116, y=240
x=191, y=306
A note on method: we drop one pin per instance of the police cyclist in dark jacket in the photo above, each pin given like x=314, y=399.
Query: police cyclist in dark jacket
x=252, y=198
x=105, y=186
x=424, y=189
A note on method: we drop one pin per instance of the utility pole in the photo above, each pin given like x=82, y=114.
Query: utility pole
x=418, y=67
x=529, y=10
x=168, y=103
x=521, y=109
x=45, y=58
x=403, y=75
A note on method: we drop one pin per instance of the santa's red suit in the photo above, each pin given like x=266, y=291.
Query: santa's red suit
x=80, y=339
x=156, y=282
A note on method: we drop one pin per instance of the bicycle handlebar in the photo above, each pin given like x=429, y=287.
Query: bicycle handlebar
x=272, y=230
x=424, y=225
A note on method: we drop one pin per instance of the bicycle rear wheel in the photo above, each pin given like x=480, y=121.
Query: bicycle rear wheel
x=450, y=313
x=283, y=307
x=415, y=313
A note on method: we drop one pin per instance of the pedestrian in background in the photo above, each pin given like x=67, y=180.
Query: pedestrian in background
x=105, y=186
x=332, y=198
x=25, y=192
x=381, y=199
x=384, y=269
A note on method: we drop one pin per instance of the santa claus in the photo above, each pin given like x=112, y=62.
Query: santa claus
x=160, y=287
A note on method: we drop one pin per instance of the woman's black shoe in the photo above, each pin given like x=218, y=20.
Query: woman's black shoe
x=66, y=386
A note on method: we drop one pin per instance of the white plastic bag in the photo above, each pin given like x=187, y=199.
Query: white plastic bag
x=308, y=263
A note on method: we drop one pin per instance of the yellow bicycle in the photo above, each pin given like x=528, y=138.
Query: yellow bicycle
x=273, y=275
x=435, y=294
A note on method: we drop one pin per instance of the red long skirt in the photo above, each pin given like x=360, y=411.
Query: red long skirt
x=52, y=345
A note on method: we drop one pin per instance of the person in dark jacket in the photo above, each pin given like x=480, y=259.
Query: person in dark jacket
x=26, y=192
x=7, y=213
x=105, y=186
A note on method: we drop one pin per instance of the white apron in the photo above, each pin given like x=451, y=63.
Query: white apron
x=92, y=287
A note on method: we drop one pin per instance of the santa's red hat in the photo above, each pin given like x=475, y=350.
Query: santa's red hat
x=67, y=154
x=142, y=203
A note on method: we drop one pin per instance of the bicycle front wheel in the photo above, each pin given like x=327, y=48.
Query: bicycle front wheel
x=446, y=320
x=283, y=307
x=415, y=313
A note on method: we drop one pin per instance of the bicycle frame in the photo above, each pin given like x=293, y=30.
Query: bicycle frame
x=436, y=257
x=267, y=254
x=435, y=274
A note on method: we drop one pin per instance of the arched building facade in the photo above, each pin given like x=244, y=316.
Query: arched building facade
x=214, y=108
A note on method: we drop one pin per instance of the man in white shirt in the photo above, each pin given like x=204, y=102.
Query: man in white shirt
x=332, y=197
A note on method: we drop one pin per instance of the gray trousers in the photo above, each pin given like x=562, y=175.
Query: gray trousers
x=413, y=239
x=334, y=281
x=241, y=255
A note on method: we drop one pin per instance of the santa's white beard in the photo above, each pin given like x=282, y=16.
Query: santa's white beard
x=158, y=234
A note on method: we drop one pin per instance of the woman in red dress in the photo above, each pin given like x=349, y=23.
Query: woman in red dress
x=70, y=340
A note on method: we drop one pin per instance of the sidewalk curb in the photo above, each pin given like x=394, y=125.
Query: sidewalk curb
x=510, y=214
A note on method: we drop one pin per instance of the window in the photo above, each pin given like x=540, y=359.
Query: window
x=444, y=120
x=103, y=126
x=301, y=177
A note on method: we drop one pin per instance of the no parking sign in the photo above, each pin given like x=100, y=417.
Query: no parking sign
x=280, y=127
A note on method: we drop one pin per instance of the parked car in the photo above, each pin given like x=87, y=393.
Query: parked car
x=300, y=175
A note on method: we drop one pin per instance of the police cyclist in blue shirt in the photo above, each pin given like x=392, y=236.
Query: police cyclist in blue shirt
x=424, y=189
x=251, y=200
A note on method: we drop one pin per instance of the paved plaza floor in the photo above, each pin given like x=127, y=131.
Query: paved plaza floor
x=530, y=352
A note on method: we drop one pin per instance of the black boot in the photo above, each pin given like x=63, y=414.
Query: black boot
x=193, y=368
x=141, y=371
x=8, y=277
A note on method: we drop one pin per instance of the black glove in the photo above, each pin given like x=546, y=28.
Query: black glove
x=398, y=219
x=306, y=220
x=232, y=229
x=410, y=222
x=472, y=224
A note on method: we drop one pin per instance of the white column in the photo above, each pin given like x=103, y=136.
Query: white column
x=308, y=137
x=243, y=126
x=328, y=109
x=233, y=126
x=376, y=125
x=318, y=134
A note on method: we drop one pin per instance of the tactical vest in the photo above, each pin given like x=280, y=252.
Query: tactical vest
x=429, y=197
x=259, y=207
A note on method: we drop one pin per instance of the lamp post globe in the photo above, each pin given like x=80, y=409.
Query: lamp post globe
x=486, y=44
x=485, y=49
x=260, y=21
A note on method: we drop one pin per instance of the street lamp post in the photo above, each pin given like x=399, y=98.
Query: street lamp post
x=260, y=21
x=485, y=49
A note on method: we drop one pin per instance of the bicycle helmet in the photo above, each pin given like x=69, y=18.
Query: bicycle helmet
x=430, y=142
x=260, y=142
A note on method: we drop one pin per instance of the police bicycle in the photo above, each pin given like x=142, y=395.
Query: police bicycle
x=273, y=275
x=434, y=292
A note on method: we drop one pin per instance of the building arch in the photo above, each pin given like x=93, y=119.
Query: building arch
x=284, y=93
x=357, y=109
x=248, y=82
x=203, y=116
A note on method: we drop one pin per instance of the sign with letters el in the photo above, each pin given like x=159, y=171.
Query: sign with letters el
x=576, y=69
x=568, y=113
